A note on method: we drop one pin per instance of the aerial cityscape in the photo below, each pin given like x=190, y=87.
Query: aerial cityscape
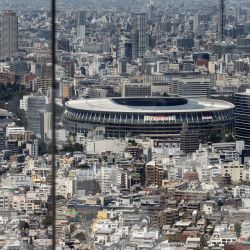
x=145, y=123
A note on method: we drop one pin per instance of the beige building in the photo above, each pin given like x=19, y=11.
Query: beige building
x=65, y=187
x=237, y=171
x=135, y=89
x=19, y=203
x=48, y=125
x=68, y=91
x=43, y=85
x=154, y=174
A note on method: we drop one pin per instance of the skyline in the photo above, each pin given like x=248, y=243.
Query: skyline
x=127, y=127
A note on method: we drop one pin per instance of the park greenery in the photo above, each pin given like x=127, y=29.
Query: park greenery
x=10, y=96
x=8, y=91
x=47, y=221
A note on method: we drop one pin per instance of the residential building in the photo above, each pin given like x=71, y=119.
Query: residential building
x=236, y=171
x=154, y=173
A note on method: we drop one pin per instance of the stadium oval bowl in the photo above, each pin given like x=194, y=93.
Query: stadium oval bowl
x=153, y=117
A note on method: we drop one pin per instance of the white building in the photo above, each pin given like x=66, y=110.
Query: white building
x=144, y=237
x=24, y=103
x=241, y=191
x=61, y=135
x=223, y=235
x=16, y=181
x=208, y=207
x=103, y=231
x=65, y=187
x=108, y=178
x=245, y=230
x=193, y=243
x=13, y=130
x=207, y=173
x=99, y=146
x=32, y=146
x=246, y=202
x=190, y=87
x=87, y=174
x=80, y=31
x=106, y=224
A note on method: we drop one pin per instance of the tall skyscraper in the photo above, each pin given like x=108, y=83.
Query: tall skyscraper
x=242, y=117
x=36, y=109
x=81, y=18
x=9, y=41
x=81, y=24
x=221, y=25
x=238, y=12
x=139, y=35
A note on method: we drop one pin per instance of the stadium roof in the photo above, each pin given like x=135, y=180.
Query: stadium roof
x=149, y=104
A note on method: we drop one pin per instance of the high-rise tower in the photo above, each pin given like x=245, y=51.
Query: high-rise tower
x=242, y=117
x=81, y=24
x=221, y=26
x=9, y=42
x=81, y=17
x=36, y=111
x=139, y=35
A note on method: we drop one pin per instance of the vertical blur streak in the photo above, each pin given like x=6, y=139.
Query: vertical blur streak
x=53, y=189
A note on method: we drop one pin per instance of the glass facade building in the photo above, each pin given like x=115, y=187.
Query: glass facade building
x=36, y=109
x=242, y=118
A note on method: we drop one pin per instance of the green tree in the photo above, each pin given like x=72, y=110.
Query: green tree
x=83, y=166
x=80, y=236
x=60, y=197
x=8, y=91
x=237, y=228
x=50, y=147
x=132, y=142
x=47, y=221
x=23, y=225
x=73, y=147
x=229, y=138
x=214, y=138
x=42, y=148
x=72, y=228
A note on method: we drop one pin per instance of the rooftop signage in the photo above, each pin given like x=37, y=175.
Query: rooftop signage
x=148, y=118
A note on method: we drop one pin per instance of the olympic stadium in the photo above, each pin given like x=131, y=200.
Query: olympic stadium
x=153, y=117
